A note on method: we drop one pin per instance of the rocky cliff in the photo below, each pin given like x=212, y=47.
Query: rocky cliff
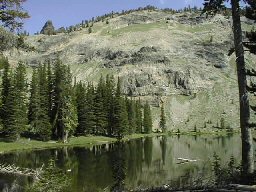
x=180, y=59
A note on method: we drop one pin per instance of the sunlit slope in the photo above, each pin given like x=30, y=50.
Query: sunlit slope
x=180, y=59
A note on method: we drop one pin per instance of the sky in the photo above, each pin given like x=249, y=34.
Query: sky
x=69, y=12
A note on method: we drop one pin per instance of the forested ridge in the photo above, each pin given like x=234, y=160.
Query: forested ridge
x=54, y=106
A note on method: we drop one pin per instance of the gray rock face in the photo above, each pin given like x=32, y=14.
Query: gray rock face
x=182, y=62
x=48, y=28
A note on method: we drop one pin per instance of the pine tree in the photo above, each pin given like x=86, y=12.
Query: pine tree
x=34, y=102
x=81, y=108
x=12, y=13
x=162, y=122
x=10, y=125
x=100, y=109
x=138, y=117
x=120, y=116
x=16, y=104
x=50, y=91
x=147, y=121
x=44, y=126
x=20, y=84
x=131, y=115
x=251, y=14
x=109, y=99
x=64, y=111
x=5, y=90
x=90, y=115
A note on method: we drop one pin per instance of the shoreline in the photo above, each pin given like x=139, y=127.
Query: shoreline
x=89, y=141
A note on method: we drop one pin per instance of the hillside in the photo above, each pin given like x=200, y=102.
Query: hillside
x=179, y=59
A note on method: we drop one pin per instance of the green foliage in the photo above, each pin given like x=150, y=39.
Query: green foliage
x=120, y=116
x=138, y=117
x=38, y=105
x=227, y=175
x=64, y=113
x=100, y=109
x=11, y=13
x=130, y=104
x=147, y=121
x=14, y=102
x=52, y=180
x=109, y=101
x=5, y=87
x=118, y=167
x=81, y=108
x=162, y=122
x=57, y=109
x=251, y=35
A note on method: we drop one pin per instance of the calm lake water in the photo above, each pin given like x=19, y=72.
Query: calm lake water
x=146, y=162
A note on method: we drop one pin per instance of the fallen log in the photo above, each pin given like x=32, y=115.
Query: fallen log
x=12, y=169
x=243, y=187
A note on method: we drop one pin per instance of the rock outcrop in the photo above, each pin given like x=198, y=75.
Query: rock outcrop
x=48, y=28
x=180, y=59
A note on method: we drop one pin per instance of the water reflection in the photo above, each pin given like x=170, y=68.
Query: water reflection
x=137, y=163
x=118, y=167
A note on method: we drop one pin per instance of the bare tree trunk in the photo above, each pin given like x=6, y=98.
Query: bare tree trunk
x=247, y=148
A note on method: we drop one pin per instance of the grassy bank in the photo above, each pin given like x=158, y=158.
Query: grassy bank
x=26, y=144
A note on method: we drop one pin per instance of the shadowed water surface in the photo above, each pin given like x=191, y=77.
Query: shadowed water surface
x=137, y=163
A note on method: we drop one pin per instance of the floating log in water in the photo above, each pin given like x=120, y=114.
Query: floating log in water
x=12, y=169
x=184, y=160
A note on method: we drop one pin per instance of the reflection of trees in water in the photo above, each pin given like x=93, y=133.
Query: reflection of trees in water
x=148, y=161
x=118, y=167
x=134, y=157
x=163, y=148
x=94, y=172
x=148, y=146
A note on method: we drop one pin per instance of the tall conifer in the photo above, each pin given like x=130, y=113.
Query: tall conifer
x=147, y=121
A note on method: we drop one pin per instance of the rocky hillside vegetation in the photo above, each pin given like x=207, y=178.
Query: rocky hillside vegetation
x=180, y=59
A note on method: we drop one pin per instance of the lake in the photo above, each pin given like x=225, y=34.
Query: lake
x=137, y=163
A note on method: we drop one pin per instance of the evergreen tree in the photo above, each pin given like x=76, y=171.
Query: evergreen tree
x=251, y=14
x=120, y=116
x=109, y=99
x=16, y=104
x=90, y=115
x=5, y=90
x=64, y=111
x=147, y=121
x=43, y=124
x=10, y=125
x=100, y=110
x=50, y=91
x=131, y=115
x=38, y=105
x=162, y=122
x=12, y=13
x=81, y=108
x=20, y=83
x=138, y=117
x=34, y=102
